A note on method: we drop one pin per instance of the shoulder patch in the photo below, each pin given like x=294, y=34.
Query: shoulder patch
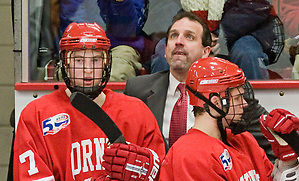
x=226, y=160
x=54, y=124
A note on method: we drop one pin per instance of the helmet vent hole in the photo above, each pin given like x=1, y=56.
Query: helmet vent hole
x=74, y=41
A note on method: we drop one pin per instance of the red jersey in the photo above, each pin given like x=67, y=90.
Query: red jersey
x=55, y=141
x=197, y=156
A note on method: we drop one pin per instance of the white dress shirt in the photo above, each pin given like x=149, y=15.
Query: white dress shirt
x=173, y=95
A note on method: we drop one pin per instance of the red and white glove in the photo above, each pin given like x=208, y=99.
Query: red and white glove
x=282, y=121
x=280, y=148
x=131, y=162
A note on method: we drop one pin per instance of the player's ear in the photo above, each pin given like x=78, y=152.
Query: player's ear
x=206, y=52
x=216, y=101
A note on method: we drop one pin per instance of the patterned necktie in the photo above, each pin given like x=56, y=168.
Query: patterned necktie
x=178, y=122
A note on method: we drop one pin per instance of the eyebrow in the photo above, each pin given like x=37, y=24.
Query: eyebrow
x=185, y=32
x=172, y=31
x=191, y=32
x=78, y=56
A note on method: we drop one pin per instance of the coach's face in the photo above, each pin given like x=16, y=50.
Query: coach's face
x=184, y=45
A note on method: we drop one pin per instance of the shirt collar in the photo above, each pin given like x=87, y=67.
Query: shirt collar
x=173, y=83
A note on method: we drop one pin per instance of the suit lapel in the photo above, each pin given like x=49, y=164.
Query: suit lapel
x=156, y=101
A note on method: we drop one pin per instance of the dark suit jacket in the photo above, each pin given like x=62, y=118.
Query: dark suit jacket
x=152, y=90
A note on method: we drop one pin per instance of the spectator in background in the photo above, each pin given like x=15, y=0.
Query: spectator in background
x=124, y=20
x=188, y=39
x=249, y=29
x=288, y=11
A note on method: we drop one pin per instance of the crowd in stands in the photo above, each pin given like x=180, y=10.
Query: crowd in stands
x=265, y=30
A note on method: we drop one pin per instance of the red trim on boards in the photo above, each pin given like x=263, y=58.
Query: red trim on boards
x=270, y=84
x=282, y=84
x=57, y=85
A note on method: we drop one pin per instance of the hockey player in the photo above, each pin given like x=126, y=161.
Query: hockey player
x=218, y=147
x=54, y=141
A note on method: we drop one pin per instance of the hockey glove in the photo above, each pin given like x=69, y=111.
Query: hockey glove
x=282, y=121
x=280, y=148
x=131, y=162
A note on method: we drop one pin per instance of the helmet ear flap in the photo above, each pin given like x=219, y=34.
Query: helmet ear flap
x=58, y=72
x=107, y=68
x=60, y=65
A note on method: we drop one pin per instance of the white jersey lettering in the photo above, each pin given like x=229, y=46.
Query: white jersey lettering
x=99, y=144
x=87, y=145
x=76, y=149
x=87, y=155
x=32, y=168
x=250, y=176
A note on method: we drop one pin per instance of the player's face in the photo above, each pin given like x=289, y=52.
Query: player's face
x=184, y=45
x=85, y=68
x=237, y=104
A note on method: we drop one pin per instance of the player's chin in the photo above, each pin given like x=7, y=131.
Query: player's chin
x=178, y=60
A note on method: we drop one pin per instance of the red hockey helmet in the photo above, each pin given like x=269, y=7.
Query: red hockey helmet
x=87, y=37
x=212, y=75
x=84, y=36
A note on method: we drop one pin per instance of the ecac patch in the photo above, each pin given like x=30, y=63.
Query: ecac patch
x=56, y=123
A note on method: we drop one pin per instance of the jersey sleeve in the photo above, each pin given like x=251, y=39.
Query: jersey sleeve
x=31, y=161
